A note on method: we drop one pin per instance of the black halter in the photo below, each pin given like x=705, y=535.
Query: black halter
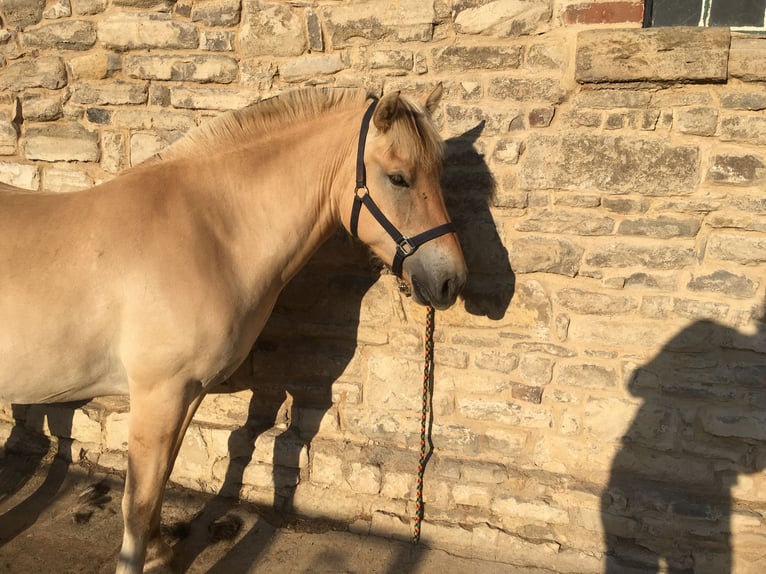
x=405, y=246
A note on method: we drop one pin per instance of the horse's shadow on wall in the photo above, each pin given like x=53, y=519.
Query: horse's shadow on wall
x=317, y=319
x=699, y=430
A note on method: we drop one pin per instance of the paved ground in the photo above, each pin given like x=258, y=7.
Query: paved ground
x=60, y=518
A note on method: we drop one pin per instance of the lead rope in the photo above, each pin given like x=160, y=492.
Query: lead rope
x=427, y=388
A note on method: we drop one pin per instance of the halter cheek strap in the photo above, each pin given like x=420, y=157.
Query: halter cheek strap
x=405, y=246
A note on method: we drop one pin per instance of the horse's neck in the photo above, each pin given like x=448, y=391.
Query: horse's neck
x=280, y=199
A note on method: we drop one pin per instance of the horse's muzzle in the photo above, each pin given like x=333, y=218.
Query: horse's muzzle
x=439, y=290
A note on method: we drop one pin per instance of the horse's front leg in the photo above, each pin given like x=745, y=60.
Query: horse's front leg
x=159, y=415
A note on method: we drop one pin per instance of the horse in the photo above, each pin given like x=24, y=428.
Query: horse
x=156, y=284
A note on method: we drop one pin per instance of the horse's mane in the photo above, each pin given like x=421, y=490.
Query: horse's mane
x=412, y=134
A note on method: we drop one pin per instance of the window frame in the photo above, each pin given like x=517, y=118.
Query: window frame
x=704, y=20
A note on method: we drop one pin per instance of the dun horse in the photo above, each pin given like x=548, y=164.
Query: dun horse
x=157, y=283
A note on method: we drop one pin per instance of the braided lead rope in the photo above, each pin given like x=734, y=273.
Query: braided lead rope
x=427, y=385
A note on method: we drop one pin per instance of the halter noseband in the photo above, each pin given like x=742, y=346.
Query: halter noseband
x=405, y=246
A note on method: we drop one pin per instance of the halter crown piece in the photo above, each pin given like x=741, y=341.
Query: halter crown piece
x=405, y=246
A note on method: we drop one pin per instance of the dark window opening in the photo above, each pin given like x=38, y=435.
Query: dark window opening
x=737, y=14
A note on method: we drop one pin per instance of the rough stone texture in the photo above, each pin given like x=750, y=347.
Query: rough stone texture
x=60, y=142
x=653, y=54
x=203, y=69
x=612, y=164
x=598, y=388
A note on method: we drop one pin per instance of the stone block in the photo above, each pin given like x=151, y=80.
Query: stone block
x=592, y=302
x=42, y=106
x=737, y=248
x=271, y=29
x=22, y=13
x=507, y=88
x=529, y=510
x=63, y=35
x=461, y=58
x=734, y=422
x=372, y=21
x=210, y=98
x=116, y=431
x=566, y=222
x=662, y=227
x=737, y=169
x=364, y=478
x=752, y=100
x=162, y=121
x=216, y=12
x=697, y=121
x=613, y=164
x=60, y=142
x=747, y=60
x=535, y=254
x=216, y=40
x=20, y=175
x=503, y=18
x=143, y=146
x=9, y=137
x=97, y=66
x=653, y=54
x=326, y=469
x=391, y=59
x=89, y=7
x=43, y=72
x=113, y=151
x=471, y=495
x=190, y=68
x=62, y=179
x=588, y=376
x=623, y=254
x=724, y=282
x=110, y=92
x=744, y=128
x=310, y=67
x=139, y=31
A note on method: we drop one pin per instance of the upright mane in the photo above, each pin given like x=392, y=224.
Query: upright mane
x=232, y=129
x=412, y=133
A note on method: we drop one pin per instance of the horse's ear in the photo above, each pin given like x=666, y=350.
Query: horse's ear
x=433, y=99
x=386, y=111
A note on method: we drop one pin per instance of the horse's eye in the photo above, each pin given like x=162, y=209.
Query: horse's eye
x=398, y=180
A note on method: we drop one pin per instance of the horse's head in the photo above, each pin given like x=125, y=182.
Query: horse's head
x=405, y=222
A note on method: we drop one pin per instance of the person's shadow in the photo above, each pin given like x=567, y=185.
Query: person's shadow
x=307, y=352
x=701, y=427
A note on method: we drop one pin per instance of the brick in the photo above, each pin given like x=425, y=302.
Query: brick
x=43, y=72
x=60, y=142
x=503, y=19
x=192, y=68
x=604, y=13
x=652, y=54
x=64, y=35
x=136, y=31
x=613, y=164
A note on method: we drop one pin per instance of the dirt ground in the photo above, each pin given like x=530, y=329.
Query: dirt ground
x=61, y=518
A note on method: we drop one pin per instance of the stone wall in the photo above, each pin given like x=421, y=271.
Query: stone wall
x=600, y=390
